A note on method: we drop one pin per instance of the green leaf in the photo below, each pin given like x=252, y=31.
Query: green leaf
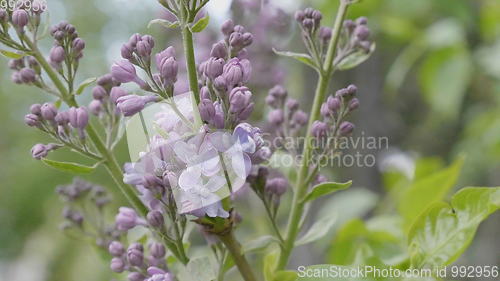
x=318, y=230
x=285, y=275
x=443, y=232
x=69, y=167
x=164, y=23
x=427, y=190
x=270, y=261
x=200, y=25
x=326, y=188
x=258, y=244
x=85, y=84
x=12, y=55
x=355, y=58
x=303, y=58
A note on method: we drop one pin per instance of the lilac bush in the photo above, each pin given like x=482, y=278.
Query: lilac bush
x=201, y=151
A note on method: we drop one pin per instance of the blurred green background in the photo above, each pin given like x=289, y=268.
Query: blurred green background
x=432, y=87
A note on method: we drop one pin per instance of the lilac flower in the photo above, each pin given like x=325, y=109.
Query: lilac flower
x=117, y=265
x=276, y=186
x=168, y=71
x=78, y=117
x=219, y=50
x=32, y=120
x=276, y=117
x=237, y=71
x=57, y=54
x=124, y=72
x=239, y=99
x=116, y=249
x=127, y=219
x=346, y=128
x=20, y=18
x=132, y=104
x=116, y=93
x=207, y=110
x=319, y=129
x=39, y=151
x=95, y=107
x=213, y=67
x=48, y=111
x=27, y=75
x=155, y=218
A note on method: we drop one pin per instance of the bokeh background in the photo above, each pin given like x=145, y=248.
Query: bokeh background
x=432, y=88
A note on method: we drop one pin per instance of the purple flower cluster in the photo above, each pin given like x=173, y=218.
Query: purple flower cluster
x=68, y=47
x=285, y=116
x=358, y=35
x=24, y=14
x=26, y=71
x=140, y=268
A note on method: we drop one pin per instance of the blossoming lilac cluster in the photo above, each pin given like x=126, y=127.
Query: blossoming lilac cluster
x=66, y=127
x=82, y=201
x=225, y=100
x=139, y=267
x=67, y=49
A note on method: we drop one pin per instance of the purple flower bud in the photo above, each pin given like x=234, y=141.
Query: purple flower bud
x=352, y=89
x=207, y=110
x=57, y=54
x=123, y=71
x=220, y=84
x=39, y=151
x=116, y=93
x=353, y=104
x=135, y=257
x=126, y=219
x=309, y=12
x=78, y=44
x=272, y=101
x=127, y=51
x=227, y=27
x=319, y=129
x=346, y=128
x=144, y=49
x=349, y=25
x=132, y=104
x=325, y=110
x=49, y=111
x=278, y=92
x=362, y=32
x=27, y=75
x=239, y=28
x=299, y=16
x=104, y=80
x=78, y=117
x=325, y=33
x=292, y=104
x=33, y=63
x=213, y=67
x=276, y=186
x=168, y=71
x=36, y=109
x=308, y=24
x=20, y=18
x=236, y=40
x=157, y=250
x=137, y=246
x=117, y=265
x=134, y=39
x=95, y=107
x=163, y=55
x=247, y=38
x=155, y=218
x=245, y=113
x=239, y=99
x=136, y=276
x=219, y=50
x=333, y=103
x=342, y=93
x=31, y=120
x=219, y=118
x=362, y=21
x=62, y=118
x=300, y=118
x=116, y=249
x=99, y=92
x=276, y=117
x=16, y=77
x=204, y=93
x=237, y=71
x=149, y=39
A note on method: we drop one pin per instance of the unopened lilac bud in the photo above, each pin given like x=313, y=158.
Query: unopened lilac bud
x=309, y=12
x=59, y=35
x=227, y=27
x=105, y=80
x=36, y=109
x=95, y=107
x=168, y=71
x=116, y=93
x=276, y=117
x=352, y=89
x=239, y=99
x=27, y=75
x=276, y=186
x=163, y=55
x=236, y=40
x=325, y=33
x=319, y=129
x=62, y=118
x=98, y=93
x=346, y=128
x=325, y=110
x=272, y=101
x=316, y=16
x=78, y=44
x=136, y=276
x=308, y=24
x=278, y=91
x=127, y=51
x=219, y=50
x=247, y=38
x=78, y=117
x=20, y=18
x=237, y=71
x=16, y=77
x=134, y=39
x=143, y=49
x=155, y=218
x=300, y=118
x=31, y=120
x=204, y=93
x=132, y=104
x=57, y=54
x=299, y=16
x=135, y=257
x=349, y=25
x=239, y=28
x=49, y=111
x=157, y=250
x=342, y=93
x=362, y=32
x=207, y=110
x=333, y=103
x=15, y=64
x=220, y=83
x=116, y=249
x=149, y=39
x=219, y=118
x=246, y=112
x=362, y=21
x=126, y=219
x=117, y=265
x=124, y=71
x=292, y=104
x=353, y=104
x=39, y=151
x=213, y=67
